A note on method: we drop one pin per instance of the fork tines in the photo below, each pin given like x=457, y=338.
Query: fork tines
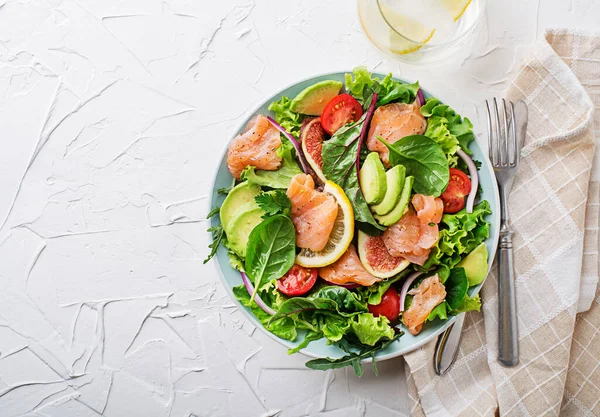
x=503, y=149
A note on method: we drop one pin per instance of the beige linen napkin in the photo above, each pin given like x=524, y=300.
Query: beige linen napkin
x=554, y=207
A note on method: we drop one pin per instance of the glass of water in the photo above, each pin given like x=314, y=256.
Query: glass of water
x=420, y=31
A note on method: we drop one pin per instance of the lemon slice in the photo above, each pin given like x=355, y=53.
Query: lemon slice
x=412, y=29
x=456, y=8
x=340, y=237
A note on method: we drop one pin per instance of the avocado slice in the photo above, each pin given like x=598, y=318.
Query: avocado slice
x=395, y=215
x=372, y=177
x=476, y=265
x=237, y=201
x=395, y=181
x=240, y=228
x=313, y=99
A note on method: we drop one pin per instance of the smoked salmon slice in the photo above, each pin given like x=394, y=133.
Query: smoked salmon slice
x=256, y=147
x=348, y=270
x=426, y=297
x=313, y=213
x=393, y=122
x=416, y=233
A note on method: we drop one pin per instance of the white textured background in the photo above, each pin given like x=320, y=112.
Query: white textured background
x=113, y=115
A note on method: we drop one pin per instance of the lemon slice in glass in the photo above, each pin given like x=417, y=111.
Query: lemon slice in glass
x=340, y=237
x=456, y=8
x=408, y=35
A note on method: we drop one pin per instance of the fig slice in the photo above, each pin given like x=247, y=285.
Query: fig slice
x=376, y=259
x=312, y=136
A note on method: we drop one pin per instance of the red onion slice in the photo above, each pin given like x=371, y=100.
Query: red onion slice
x=292, y=139
x=421, y=97
x=363, y=131
x=259, y=302
x=474, y=179
x=406, y=286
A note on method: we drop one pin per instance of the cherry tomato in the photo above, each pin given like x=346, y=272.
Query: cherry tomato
x=458, y=188
x=389, y=305
x=297, y=281
x=340, y=110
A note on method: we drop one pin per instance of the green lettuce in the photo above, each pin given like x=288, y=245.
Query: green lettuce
x=370, y=329
x=275, y=179
x=373, y=293
x=361, y=85
x=468, y=304
x=460, y=233
x=290, y=120
x=447, y=128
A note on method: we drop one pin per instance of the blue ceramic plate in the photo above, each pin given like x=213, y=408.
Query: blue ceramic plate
x=320, y=349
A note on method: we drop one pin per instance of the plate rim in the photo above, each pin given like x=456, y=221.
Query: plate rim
x=287, y=344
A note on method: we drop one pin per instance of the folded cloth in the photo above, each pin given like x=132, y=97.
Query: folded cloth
x=554, y=206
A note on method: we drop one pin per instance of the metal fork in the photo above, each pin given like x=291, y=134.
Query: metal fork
x=504, y=149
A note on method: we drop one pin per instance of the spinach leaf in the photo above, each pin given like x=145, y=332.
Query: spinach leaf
x=271, y=250
x=423, y=159
x=441, y=311
x=274, y=202
x=456, y=285
x=352, y=359
x=339, y=165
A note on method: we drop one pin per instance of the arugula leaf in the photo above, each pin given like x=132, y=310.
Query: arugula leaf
x=226, y=190
x=290, y=120
x=424, y=160
x=456, y=285
x=352, y=359
x=339, y=165
x=274, y=202
x=361, y=84
x=218, y=236
x=271, y=250
x=213, y=212
x=275, y=179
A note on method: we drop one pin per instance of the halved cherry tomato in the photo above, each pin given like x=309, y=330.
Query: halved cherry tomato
x=340, y=110
x=458, y=188
x=389, y=305
x=297, y=281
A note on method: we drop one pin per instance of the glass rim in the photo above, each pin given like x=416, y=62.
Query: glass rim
x=421, y=44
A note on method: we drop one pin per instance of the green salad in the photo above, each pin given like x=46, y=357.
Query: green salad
x=353, y=216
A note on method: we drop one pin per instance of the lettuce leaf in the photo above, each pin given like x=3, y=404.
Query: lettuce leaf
x=290, y=120
x=468, y=304
x=283, y=327
x=447, y=128
x=370, y=329
x=373, y=293
x=361, y=85
x=460, y=233
x=456, y=285
x=275, y=179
